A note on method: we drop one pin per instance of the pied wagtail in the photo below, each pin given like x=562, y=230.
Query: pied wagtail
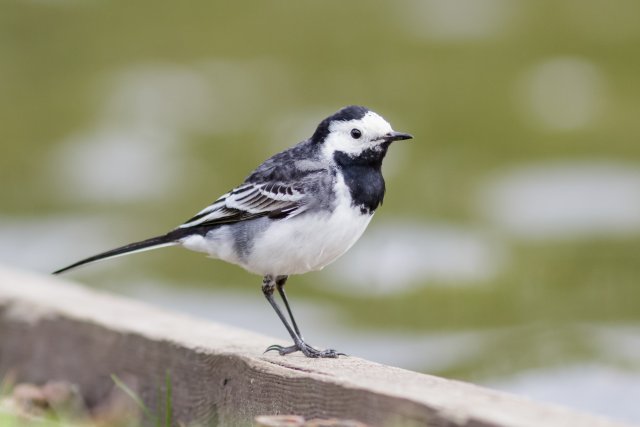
x=297, y=212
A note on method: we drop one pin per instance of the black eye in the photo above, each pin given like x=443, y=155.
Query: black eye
x=355, y=133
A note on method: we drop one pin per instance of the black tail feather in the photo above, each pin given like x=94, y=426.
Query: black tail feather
x=152, y=243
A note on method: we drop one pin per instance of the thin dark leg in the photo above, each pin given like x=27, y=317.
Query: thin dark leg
x=268, y=285
x=267, y=290
x=280, y=282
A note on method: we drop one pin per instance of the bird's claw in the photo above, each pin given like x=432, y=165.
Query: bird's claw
x=281, y=350
x=306, y=349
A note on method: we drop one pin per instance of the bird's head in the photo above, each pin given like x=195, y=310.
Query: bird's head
x=354, y=131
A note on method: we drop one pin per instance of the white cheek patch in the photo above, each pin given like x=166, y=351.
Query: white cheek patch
x=335, y=143
x=372, y=127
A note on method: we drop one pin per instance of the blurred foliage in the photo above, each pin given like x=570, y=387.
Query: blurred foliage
x=456, y=95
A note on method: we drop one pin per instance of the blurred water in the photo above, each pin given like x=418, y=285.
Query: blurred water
x=507, y=251
x=592, y=388
x=35, y=243
x=394, y=257
x=565, y=200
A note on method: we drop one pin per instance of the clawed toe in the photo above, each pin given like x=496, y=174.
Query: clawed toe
x=306, y=349
x=283, y=351
x=329, y=353
x=274, y=347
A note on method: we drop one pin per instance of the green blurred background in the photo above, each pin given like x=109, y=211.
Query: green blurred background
x=508, y=248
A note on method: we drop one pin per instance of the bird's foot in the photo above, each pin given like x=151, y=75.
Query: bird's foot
x=306, y=349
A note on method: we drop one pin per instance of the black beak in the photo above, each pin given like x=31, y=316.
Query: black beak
x=396, y=136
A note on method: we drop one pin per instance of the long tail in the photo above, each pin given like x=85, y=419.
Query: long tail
x=168, y=239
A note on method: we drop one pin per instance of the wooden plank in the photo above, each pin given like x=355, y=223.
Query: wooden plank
x=51, y=329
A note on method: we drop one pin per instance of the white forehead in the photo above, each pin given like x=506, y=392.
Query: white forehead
x=371, y=124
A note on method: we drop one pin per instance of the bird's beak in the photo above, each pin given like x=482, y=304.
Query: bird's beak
x=396, y=136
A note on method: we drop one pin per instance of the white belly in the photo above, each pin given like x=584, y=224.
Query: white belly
x=297, y=245
x=307, y=243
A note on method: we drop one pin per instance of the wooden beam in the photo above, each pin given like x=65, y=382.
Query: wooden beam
x=52, y=329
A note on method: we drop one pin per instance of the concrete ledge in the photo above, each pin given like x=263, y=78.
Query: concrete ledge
x=54, y=329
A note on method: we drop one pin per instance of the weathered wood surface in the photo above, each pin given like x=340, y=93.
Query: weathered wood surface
x=53, y=329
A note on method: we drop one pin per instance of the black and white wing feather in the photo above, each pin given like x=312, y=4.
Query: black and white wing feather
x=280, y=188
x=251, y=200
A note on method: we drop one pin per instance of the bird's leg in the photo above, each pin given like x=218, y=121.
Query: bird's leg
x=268, y=285
x=280, y=282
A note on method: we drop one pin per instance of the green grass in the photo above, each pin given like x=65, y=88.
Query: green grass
x=160, y=416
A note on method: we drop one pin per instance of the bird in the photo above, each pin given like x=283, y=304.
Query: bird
x=297, y=212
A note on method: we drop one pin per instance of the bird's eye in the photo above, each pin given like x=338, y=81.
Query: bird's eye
x=355, y=133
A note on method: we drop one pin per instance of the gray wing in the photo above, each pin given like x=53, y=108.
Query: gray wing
x=284, y=186
x=252, y=200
